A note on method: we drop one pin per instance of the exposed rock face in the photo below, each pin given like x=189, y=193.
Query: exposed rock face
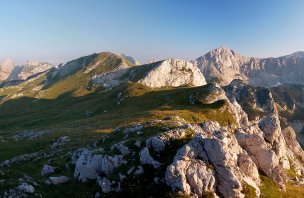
x=255, y=101
x=159, y=142
x=170, y=72
x=264, y=158
x=214, y=147
x=60, y=142
x=215, y=93
x=33, y=67
x=47, y=170
x=174, y=73
x=90, y=166
x=187, y=174
x=145, y=158
x=222, y=65
x=6, y=67
x=105, y=184
x=26, y=188
x=121, y=148
x=291, y=142
x=57, y=180
x=11, y=71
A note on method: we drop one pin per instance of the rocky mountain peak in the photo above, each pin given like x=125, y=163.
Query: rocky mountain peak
x=222, y=65
x=7, y=65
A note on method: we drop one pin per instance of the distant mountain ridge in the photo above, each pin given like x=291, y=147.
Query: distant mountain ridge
x=106, y=69
x=9, y=70
x=222, y=65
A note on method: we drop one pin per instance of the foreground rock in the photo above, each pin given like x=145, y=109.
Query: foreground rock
x=26, y=188
x=90, y=166
x=57, y=180
x=145, y=158
x=214, y=147
x=47, y=170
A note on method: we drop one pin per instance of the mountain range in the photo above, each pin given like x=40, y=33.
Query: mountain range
x=222, y=65
x=9, y=70
x=104, y=125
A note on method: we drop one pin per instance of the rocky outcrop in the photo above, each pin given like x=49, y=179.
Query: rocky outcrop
x=173, y=72
x=191, y=176
x=47, y=170
x=170, y=72
x=292, y=143
x=6, y=67
x=60, y=142
x=11, y=71
x=90, y=166
x=57, y=180
x=146, y=158
x=159, y=142
x=31, y=68
x=121, y=148
x=264, y=158
x=221, y=161
x=26, y=188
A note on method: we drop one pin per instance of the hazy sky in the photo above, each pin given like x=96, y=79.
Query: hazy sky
x=61, y=30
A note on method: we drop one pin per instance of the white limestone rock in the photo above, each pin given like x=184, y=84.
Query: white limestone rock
x=292, y=143
x=145, y=158
x=216, y=147
x=173, y=72
x=121, y=148
x=47, y=170
x=105, y=184
x=159, y=142
x=222, y=65
x=90, y=166
x=263, y=156
x=57, y=180
x=191, y=177
x=26, y=188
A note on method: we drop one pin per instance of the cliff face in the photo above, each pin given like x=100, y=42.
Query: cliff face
x=222, y=65
x=174, y=73
x=10, y=71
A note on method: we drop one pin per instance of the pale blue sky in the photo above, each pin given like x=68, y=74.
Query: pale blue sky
x=61, y=30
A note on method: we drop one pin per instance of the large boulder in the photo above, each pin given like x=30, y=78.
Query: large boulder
x=26, y=188
x=57, y=180
x=47, y=170
x=263, y=156
x=212, y=158
x=90, y=166
x=292, y=143
x=146, y=158
x=191, y=176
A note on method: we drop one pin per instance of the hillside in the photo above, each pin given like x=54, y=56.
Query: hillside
x=102, y=126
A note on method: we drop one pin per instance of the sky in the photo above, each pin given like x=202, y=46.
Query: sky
x=61, y=30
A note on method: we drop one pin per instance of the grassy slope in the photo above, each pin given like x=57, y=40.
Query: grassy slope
x=66, y=115
x=62, y=108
